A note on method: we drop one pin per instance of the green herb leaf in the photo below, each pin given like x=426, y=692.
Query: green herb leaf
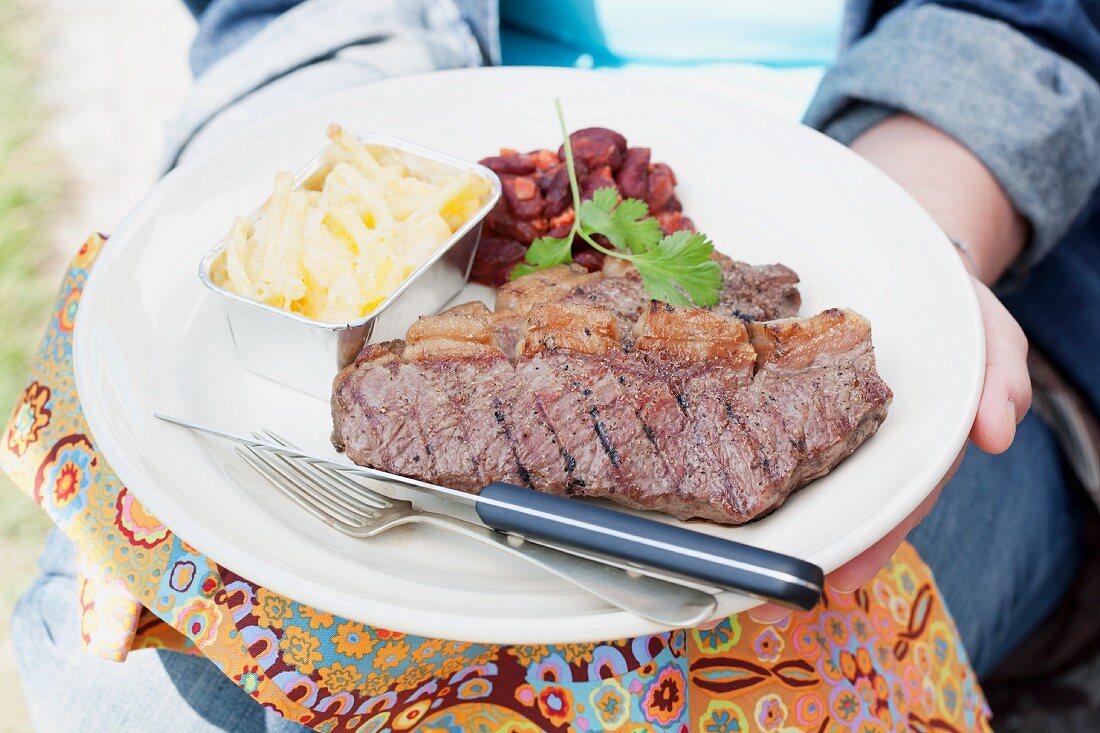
x=680, y=271
x=676, y=269
x=626, y=225
x=545, y=252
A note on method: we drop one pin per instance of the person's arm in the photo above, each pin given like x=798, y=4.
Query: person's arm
x=255, y=58
x=953, y=185
x=964, y=198
x=1014, y=82
x=998, y=138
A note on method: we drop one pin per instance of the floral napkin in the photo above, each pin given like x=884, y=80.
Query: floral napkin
x=886, y=658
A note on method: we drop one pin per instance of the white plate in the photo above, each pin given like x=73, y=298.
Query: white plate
x=150, y=338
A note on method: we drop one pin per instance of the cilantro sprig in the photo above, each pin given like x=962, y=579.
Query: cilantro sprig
x=676, y=268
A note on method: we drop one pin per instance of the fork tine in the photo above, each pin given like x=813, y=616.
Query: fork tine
x=339, y=484
x=322, y=496
x=301, y=471
x=279, y=474
x=303, y=499
x=330, y=474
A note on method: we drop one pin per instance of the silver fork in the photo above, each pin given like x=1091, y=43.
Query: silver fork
x=350, y=507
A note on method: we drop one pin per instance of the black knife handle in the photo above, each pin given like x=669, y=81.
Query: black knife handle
x=731, y=565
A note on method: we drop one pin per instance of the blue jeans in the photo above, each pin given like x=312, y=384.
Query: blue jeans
x=153, y=690
x=1004, y=543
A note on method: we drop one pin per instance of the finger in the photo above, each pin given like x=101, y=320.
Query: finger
x=1006, y=395
x=769, y=613
x=856, y=572
x=853, y=574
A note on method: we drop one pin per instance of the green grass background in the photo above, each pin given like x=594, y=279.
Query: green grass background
x=29, y=181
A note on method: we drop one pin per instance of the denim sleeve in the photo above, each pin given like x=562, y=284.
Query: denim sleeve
x=254, y=58
x=1029, y=112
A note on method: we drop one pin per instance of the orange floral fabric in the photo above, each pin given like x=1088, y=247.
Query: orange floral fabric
x=887, y=658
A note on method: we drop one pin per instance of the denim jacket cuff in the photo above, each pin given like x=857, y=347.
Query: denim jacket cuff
x=1032, y=116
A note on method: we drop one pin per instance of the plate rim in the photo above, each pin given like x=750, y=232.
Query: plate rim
x=270, y=574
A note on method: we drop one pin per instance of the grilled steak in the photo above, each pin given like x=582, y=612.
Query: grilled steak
x=757, y=292
x=749, y=292
x=691, y=412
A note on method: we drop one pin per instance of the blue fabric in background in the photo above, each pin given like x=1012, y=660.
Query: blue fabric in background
x=772, y=53
x=1068, y=27
x=610, y=33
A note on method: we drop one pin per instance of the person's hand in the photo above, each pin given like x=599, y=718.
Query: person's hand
x=965, y=200
x=1005, y=399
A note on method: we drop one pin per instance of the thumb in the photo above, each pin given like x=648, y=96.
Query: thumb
x=1006, y=395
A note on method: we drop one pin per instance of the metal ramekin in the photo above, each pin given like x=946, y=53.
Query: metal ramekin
x=306, y=354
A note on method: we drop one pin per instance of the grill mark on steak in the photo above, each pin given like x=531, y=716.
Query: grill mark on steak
x=596, y=383
x=535, y=441
x=472, y=389
x=601, y=433
x=614, y=389
x=561, y=402
x=664, y=426
x=555, y=337
x=707, y=475
x=465, y=344
x=570, y=463
x=704, y=358
x=750, y=442
x=453, y=350
x=646, y=399
x=440, y=413
x=382, y=429
x=524, y=474
x=624, y=392
x=705, y=417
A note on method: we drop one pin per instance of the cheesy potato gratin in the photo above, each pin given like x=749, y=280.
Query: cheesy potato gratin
x=335, y=247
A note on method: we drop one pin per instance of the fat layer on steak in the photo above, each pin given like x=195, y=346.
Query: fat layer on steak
x=749, y=292
x=701, y=415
